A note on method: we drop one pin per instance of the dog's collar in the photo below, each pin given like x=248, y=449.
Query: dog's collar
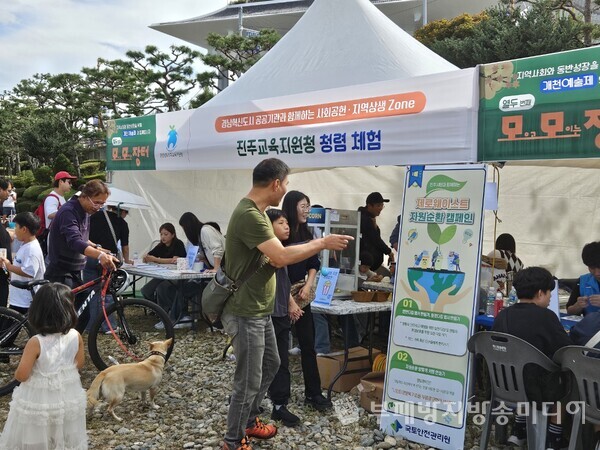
x=156, y=352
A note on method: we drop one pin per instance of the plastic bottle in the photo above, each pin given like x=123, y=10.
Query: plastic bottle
x=491, y=297
x=498, y=303
x=136, y=258
x=512, y=296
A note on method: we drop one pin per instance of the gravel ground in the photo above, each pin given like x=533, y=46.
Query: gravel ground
x=193, y=409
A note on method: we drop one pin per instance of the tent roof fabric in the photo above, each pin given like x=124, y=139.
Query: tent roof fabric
x=336, y=43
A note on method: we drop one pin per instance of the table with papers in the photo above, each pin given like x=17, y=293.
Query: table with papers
x=169, y=273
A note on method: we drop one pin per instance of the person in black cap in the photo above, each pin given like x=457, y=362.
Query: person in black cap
x=371, y=241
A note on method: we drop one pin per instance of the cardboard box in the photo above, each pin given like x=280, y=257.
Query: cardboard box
x=371, y=391
x=329, y=367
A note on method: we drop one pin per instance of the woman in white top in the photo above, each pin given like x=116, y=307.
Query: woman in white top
x=8, y=207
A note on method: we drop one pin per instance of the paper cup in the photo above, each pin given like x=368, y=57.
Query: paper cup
x=198, y=266
x=2, y=253
x=182, y=264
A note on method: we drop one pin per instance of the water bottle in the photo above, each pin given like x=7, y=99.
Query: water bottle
x=136, y=258
x=512, y=296
x=491, y=298
x=498, y=303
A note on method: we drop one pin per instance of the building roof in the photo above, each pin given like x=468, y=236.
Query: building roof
x=282, y=15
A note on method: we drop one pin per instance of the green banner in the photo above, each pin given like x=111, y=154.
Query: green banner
x=130, y=143
x=543, y=107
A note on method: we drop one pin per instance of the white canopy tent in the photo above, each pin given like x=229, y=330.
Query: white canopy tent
x=341, y=49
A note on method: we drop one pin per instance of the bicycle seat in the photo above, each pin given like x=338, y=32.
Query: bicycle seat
x=28, y=284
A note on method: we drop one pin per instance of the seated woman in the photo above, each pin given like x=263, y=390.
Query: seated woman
x=506, y=250
x=211, y=247
x=586, y=297
x=166, y=252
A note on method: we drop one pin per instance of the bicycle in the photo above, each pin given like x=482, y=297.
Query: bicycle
x=131, y=324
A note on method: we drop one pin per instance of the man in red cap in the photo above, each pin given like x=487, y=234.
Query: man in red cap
x=63, y=182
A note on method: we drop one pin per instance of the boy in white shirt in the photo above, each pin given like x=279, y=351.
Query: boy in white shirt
x=28, y=263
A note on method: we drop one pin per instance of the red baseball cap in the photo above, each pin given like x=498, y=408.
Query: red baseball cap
x=64, y=174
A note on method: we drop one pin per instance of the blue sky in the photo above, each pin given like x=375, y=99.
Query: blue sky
x=58, y=36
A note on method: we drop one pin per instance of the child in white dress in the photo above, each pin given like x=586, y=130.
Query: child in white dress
x=47, y=410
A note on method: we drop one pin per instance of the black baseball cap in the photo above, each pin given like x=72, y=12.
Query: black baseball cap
x=375, y=197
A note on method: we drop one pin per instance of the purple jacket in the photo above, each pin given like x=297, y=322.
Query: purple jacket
x=69, y=236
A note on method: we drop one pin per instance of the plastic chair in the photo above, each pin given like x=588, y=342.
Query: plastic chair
x=584, y=363
x=506, y=357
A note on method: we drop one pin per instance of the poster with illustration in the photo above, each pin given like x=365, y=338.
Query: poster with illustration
x=435, y=301
x=326, y=286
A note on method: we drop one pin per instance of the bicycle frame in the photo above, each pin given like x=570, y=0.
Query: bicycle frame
x=9, y=333
x=103, y=280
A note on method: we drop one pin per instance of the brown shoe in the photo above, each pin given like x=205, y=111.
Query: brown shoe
x=243, y=445
x=261, y=430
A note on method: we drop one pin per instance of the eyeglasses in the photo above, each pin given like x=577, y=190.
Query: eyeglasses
x=304, y=207
x=96, y=205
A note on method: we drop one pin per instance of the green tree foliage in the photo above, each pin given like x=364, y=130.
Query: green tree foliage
x=43, y=175
x=168, y=77
x=232, y=56
x=63, y=163
x=504, y=33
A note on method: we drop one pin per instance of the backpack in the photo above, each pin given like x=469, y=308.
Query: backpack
x=42, y=214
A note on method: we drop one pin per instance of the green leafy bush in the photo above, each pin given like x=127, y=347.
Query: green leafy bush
x=43, y=175
x=24, y=205
x=24, y=180
x=63, y=163
x=33, y=192
x=90, y=167
x=95, y=176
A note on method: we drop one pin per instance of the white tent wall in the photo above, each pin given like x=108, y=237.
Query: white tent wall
x=550, y=216
x=212, y=195
x=552, y=212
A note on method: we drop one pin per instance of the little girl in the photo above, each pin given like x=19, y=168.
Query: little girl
x=47, y=410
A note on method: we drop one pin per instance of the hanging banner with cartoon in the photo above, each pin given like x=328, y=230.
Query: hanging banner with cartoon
x=435, y=302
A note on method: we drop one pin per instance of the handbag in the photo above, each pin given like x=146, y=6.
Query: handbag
x=295, y=292
x=221, y=287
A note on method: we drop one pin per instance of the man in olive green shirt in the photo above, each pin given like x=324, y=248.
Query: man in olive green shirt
x=247, y=315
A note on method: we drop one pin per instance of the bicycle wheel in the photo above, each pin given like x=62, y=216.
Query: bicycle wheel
x=137, y=323
x=15, y=331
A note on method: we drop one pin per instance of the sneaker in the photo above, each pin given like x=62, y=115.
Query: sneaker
x=159, y=325
x=294, y=351
x=519, y=442
x=243, y=445
x=287, y=418
x=108, y=332
x=184, y=322
x=260, y=430
x=318, y=402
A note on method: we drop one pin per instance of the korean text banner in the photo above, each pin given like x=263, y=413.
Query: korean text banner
x=544, y=107
x=435, y=302
x=429, y=119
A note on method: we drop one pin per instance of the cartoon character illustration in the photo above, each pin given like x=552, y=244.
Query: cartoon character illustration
x=422, y=259
x=412, y=235
x=172, y=140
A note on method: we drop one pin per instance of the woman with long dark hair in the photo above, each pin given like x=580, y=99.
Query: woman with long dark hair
x=166, y=252
x=210, y=241
x=296, y=207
